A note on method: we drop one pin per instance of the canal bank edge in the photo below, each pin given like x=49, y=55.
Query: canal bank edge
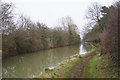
x=64, y=69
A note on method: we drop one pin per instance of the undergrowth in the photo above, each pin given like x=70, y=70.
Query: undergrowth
x=100, y=67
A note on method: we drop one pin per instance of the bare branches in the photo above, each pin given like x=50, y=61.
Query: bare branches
x=7, y=9
x=68, y=24
x=94, y=12
x=6, y=17
x=94, y=15
x=65, y=22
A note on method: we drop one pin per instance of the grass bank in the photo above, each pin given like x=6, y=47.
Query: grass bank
x=64, y=69
x=100, y=67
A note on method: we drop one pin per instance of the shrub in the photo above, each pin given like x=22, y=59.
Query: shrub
x=109, y=37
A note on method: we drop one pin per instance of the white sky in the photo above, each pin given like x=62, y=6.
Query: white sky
x=49, y=11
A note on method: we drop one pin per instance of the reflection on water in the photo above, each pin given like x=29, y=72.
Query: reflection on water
x=27, y=65
x=84, y=48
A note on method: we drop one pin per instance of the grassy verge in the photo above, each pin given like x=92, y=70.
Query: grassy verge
x=100, y=67
x=64, y=69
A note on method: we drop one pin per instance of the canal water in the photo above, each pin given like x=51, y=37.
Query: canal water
x=32, y=64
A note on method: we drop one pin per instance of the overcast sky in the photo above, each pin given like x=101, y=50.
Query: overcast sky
x=49, y=11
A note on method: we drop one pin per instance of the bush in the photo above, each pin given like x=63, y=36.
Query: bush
x=109, y=37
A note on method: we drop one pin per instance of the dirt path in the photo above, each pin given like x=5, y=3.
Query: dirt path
x=77, y=72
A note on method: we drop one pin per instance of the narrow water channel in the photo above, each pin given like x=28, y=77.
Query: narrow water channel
x=27, y=65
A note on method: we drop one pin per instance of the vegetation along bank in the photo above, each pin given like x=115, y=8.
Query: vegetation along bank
x=25, y=36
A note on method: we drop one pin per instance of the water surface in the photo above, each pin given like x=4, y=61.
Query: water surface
x=29, y=65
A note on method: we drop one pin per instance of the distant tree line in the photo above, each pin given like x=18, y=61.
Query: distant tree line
x=26, y=36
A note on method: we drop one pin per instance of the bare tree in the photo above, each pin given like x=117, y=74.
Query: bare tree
x=6, y=17
x=24, y=22
x=68, y=24
x=65, y=22
x=94, y=14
